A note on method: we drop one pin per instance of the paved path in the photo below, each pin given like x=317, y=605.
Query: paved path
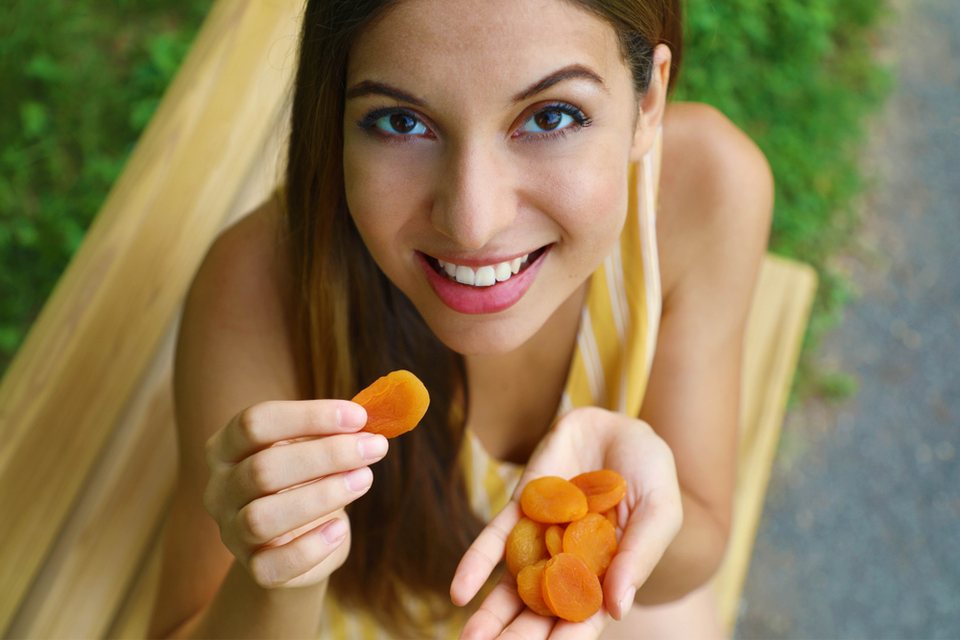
x=861, y=530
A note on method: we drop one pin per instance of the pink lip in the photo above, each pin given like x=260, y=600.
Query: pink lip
x=465, y=298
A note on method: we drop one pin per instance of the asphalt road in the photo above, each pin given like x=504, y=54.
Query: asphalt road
x=860, y=536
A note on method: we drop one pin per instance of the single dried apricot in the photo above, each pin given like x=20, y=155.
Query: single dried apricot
x=553, y=536
x=570, y=589
x=594, y=540
x=553, y=500
x=603, y=488
x=395, y=403
x=529, y=587
x=525, y=545
x=611, y=515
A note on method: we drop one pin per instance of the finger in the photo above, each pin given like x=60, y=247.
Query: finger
x=277, y=468
x=589, y=629
x=270, y=517
x=497, y=611
x=263, y=425
x=530, y=626
x=276, y=566
x=483, y=555
x=648, y=532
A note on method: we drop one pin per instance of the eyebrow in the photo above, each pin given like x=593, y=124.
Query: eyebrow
x=567, y=73
x=369, y=87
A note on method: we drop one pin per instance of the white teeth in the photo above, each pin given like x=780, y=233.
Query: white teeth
x=465, y=275
x=486, y=277
x=483, y=276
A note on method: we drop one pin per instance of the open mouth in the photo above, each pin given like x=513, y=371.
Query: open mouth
x=487, y=275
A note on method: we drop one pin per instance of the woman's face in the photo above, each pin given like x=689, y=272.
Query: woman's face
x=486, y=153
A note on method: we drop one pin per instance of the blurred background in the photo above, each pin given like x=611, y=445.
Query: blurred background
x=856, y=104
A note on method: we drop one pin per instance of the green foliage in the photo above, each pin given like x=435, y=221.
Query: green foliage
x=799, y=78
x=80, y=80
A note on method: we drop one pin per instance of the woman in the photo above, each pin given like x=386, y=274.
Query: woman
x=470, y=195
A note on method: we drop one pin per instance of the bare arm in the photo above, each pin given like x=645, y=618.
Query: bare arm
x=236, y=394
x=717, y=198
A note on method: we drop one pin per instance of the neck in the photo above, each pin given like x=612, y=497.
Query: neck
x=514, y=396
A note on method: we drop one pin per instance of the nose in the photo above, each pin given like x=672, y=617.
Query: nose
x=474, y=199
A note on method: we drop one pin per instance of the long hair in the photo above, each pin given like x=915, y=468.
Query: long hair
x=353, y=325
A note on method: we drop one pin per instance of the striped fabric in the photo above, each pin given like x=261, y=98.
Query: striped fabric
x=615, y=345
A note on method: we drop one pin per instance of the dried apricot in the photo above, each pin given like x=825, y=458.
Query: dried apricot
x=529, y=587
x=611, y=515
x=570, y=589
x=525, y=545
x=395, y=403
x=603, y=488
x=594, y=540
x=553, y=536
x=553, y=500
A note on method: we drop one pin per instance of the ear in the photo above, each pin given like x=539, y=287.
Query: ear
x=652, y=104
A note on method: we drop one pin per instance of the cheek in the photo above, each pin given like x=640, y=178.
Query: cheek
x=591, y=205
x=381, y=192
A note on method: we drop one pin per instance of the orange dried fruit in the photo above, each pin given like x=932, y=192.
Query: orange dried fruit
x=611, y=515
x=395, y=403
x=525, y=545
x=553, y=536
x=570, y=589
x=553, y=500
x=529, y=587
x=603, y=488
x=594, y=540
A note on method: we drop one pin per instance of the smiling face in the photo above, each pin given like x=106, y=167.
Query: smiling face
x=486, y=155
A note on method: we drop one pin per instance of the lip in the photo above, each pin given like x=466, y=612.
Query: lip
x=465, y=298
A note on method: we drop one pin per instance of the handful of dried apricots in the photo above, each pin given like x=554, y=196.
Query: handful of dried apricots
x=395, y=403
x=560, y=551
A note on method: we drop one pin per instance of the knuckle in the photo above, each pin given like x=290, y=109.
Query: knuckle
x=255, y=522
x=210, y=502
x=251, y=421
x=260, y=472
x=263, y=572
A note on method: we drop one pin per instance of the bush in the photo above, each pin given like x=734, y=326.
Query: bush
x=80, y=80
x=798, y=76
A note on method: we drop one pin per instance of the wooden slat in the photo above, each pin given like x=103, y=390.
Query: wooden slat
x=86, y=575
x=775, y=331
x=74, y=375
x=120, y=508
x=133, y=617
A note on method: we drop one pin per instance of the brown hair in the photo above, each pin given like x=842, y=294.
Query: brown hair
x=354, y=325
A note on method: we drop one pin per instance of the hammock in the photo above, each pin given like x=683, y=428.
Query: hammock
x=87, y=444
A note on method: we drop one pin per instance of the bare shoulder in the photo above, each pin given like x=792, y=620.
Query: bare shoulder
x=716, y=198
x=235, y=330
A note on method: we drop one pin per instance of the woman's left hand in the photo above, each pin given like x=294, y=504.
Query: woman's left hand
x=650, y=515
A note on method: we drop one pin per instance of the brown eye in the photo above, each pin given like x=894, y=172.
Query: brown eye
x=548, y=119
x=402, y=123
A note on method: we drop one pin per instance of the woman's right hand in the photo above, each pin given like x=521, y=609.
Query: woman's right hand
x=280, y=475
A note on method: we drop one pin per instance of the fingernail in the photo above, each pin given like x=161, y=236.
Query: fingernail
x=351, y=415
x=334, y=531
x=359, y=479
x=627, y=601
x=372, y=447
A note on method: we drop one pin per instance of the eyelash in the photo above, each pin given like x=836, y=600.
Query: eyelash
x=369, y=120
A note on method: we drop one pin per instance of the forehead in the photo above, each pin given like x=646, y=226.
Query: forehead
x=483, y=45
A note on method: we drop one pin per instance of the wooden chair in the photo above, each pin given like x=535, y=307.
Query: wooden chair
x=87, y=449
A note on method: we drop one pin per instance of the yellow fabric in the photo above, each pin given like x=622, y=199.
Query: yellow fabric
x=610, y=367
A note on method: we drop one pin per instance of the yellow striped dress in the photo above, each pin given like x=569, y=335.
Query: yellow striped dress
x=610, y=367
